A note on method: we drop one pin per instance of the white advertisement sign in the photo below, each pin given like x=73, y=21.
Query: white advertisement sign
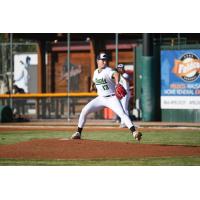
x=184, y=102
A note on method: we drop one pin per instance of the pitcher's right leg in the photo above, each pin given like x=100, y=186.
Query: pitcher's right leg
x=92, y=106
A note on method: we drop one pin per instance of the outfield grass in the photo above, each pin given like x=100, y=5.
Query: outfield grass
x=155, y=137
x=165, y=161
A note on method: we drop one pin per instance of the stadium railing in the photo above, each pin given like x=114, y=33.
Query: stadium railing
x=47, y=105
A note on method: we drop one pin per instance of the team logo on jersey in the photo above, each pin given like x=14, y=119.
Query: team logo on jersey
x=100, y=81
x=187, y=67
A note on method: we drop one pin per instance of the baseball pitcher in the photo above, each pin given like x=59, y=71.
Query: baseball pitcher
x=110, y=92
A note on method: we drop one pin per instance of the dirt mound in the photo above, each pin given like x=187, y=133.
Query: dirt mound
x=90, y=149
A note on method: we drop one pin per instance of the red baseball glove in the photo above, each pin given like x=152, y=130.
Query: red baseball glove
x=120, y=92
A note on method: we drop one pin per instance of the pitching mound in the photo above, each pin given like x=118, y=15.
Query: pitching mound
x=90, y=149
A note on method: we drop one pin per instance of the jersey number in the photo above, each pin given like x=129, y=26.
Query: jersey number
x=105, y=87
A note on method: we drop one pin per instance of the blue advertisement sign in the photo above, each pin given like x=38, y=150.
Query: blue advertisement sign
x=180, y=79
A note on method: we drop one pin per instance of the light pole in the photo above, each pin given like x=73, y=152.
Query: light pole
x=116, y=48
x=68, y=78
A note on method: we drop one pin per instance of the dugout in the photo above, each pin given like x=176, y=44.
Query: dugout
x=83, y=51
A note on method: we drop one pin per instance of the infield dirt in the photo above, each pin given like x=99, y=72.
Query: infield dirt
x=91, y=149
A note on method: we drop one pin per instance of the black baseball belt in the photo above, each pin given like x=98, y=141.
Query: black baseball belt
x=110, y=95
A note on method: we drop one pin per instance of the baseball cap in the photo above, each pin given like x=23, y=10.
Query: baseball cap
x=120, y=66
x=102, y=56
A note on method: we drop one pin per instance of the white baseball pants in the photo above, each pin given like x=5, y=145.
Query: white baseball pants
x=125, y=103
x=100, y=102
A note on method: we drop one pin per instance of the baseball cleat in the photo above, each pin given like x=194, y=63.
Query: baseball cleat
x=76, y=136
x=137, y=135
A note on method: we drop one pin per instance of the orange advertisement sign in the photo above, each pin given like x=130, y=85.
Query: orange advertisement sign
x=185, y=69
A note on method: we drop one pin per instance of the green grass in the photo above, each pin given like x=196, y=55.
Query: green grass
x=191, y=138
x=11, y=137
x=156, y=137
x=165, y=161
